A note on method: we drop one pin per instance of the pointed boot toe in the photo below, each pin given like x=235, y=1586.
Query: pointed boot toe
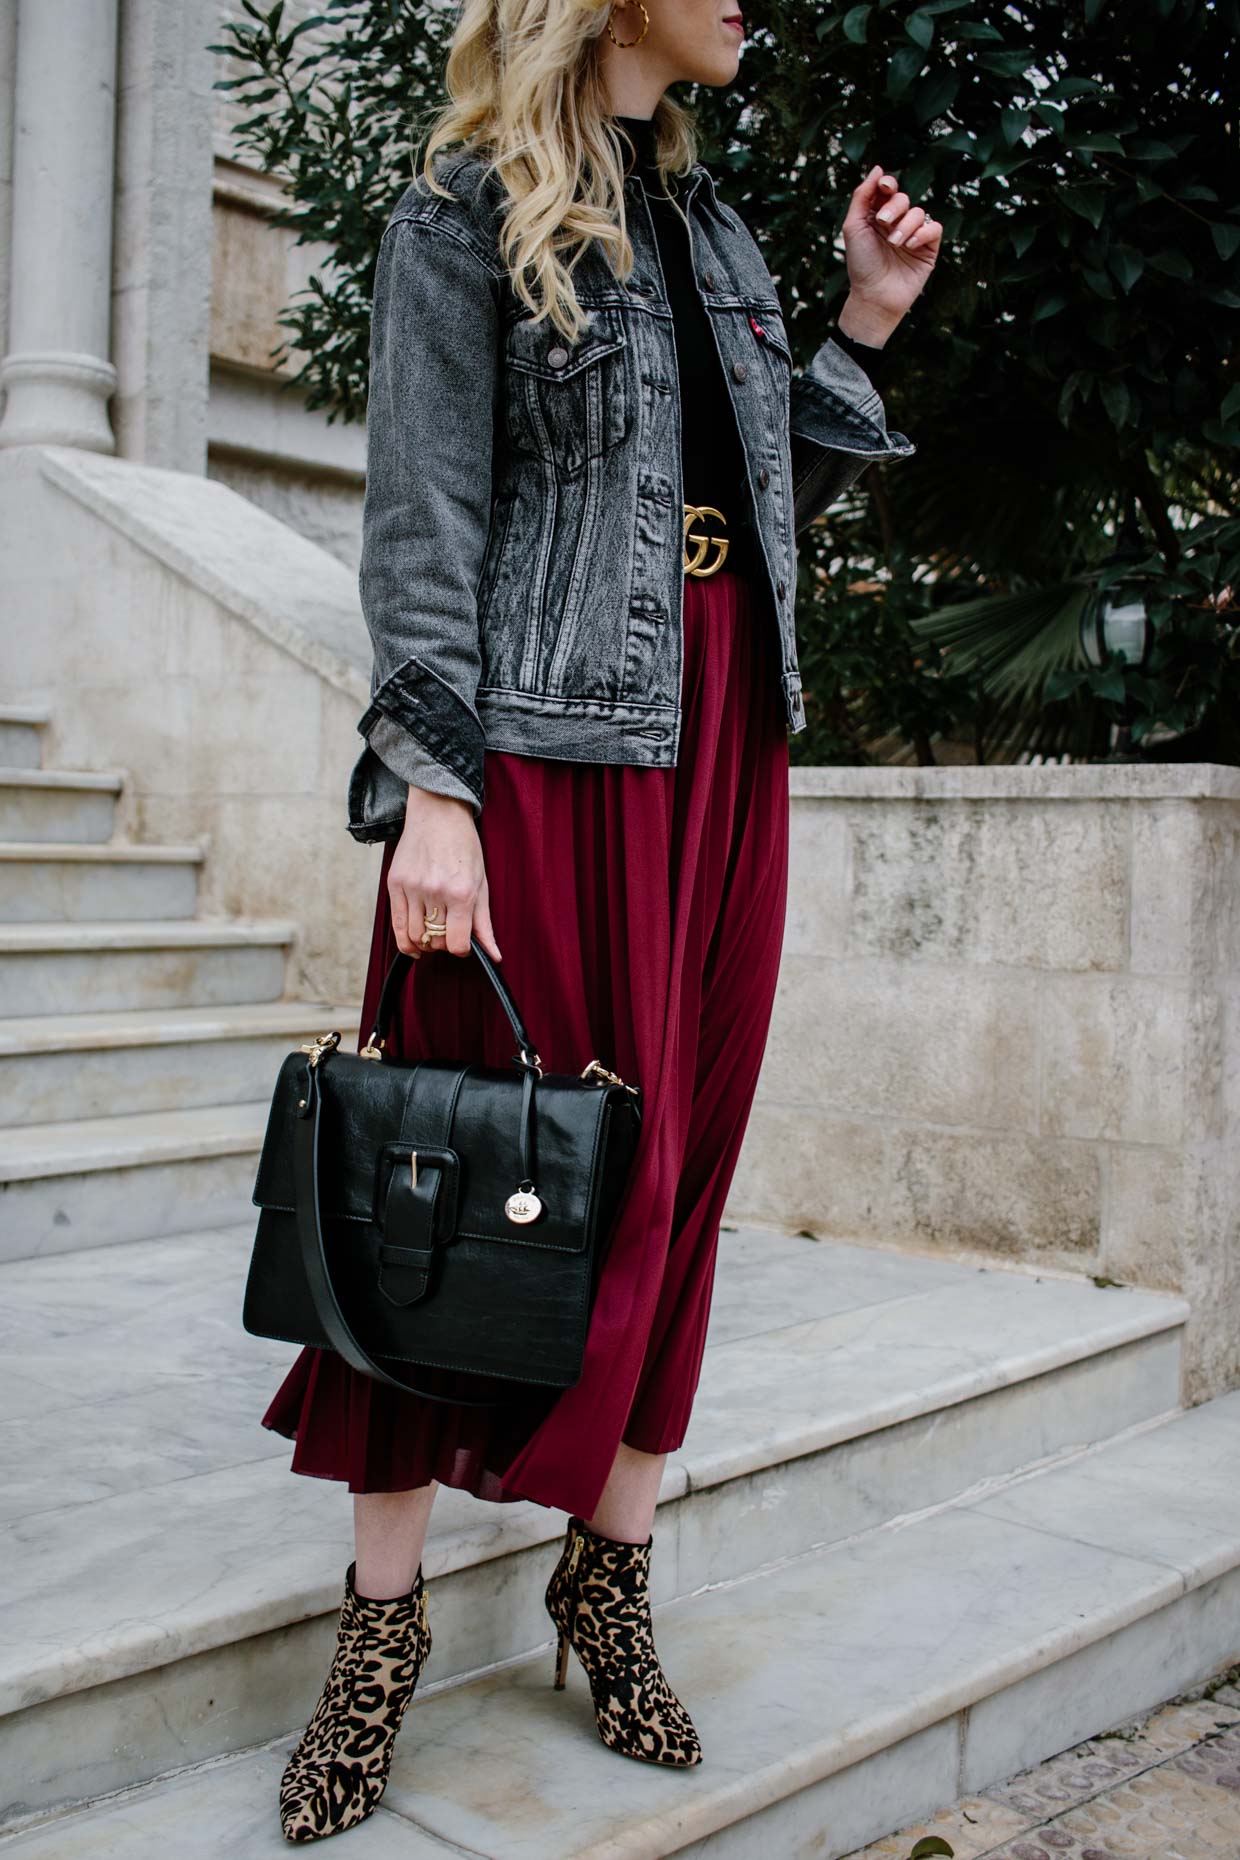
x=323, y=1801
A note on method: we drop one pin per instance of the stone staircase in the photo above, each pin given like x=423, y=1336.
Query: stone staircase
x=931, y=1522
x=114, y=994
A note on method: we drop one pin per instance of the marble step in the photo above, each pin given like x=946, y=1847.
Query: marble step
x=151, y=1059
x=45, y=881
x=171, y=1588
x=102, y=1181
x=58, y=804
x=60, y=968
x=134, y=1176
x=838, y=1694
x=21, y=735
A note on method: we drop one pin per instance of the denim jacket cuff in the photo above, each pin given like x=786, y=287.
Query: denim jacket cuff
x=838, y=427
x=416, y=767
x=439, y=723
x=835, y=404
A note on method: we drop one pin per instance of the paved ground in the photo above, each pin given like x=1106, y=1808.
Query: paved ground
x=1167, y=1788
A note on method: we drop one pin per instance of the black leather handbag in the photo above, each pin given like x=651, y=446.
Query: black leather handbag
x=445, y=1216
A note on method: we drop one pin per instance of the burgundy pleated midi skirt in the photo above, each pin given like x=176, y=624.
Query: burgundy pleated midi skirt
x=640, y=913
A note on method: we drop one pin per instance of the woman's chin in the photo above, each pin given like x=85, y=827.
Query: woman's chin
x=718, y=68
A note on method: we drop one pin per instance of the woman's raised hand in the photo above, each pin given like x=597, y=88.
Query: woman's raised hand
x=891, y=248
x=437, y=872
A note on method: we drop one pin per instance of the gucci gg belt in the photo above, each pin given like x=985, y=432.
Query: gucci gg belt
x=699, y=542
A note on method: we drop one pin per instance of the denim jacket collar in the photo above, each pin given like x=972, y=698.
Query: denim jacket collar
x=699, y=176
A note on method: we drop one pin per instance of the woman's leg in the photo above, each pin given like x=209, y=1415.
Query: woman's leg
x=390, y=1527
x=389, y=1533
x=625, y=1510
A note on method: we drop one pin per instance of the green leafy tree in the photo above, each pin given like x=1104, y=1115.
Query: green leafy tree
x=1071, y=364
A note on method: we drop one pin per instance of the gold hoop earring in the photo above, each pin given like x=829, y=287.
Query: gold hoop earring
x=622, y=6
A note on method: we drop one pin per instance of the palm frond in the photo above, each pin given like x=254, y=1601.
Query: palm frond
x=1012, y=642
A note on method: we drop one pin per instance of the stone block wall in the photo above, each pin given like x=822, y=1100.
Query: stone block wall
x=177, y=632
x=1008, y=1025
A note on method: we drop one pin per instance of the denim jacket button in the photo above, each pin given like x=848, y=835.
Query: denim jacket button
x=739, y=371
x=764, y=478
x=709, y=280
x=781, y=589
x=557, y=357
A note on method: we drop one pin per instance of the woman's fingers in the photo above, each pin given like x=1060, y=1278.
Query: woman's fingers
x=880, y=201
x=399, y=902
x=929, y=234
x=892, y=211
x=460, y=923
x=904, y=228
x=436, y=875
x=419, y=922
x=869, y=196
x=483, y=928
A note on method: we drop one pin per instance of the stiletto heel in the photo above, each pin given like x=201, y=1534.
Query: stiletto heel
x=599, y=1600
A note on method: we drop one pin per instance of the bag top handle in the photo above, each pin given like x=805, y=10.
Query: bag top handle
x=394, y=980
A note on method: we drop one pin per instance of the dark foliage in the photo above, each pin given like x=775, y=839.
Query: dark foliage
x=1071, y=361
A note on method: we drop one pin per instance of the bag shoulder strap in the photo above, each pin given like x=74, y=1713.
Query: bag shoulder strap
x=315, y=1262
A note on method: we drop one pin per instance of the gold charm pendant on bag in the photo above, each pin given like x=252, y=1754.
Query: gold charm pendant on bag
x=523, y=1205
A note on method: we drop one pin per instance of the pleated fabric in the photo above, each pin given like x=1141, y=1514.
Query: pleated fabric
x=640, y=913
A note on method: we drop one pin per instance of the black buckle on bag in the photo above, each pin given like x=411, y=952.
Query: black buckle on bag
x=416, y=1193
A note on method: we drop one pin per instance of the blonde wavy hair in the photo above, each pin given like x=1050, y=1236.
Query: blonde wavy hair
x=525, y=89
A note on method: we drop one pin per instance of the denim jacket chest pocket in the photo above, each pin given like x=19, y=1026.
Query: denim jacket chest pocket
x=765, y=326
x=566, y=402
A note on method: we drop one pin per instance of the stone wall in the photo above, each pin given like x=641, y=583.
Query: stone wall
x=1008, y=1025
x=177, y=632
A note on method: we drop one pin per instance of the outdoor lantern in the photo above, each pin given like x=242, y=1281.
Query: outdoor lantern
x=1115, y=619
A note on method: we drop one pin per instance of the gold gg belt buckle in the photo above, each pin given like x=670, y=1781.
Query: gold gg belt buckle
x=695, y=563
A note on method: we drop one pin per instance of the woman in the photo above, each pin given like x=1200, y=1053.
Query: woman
x=588, y=459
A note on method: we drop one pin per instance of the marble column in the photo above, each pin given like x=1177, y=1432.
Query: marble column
x=161, y=278
x=8, y=74
x=56, y=374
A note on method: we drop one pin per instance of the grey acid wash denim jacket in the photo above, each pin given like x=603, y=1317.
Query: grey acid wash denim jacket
x=522, y=572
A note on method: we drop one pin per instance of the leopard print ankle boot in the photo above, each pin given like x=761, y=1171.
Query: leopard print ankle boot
x=599, y=1600
x=338, y=1772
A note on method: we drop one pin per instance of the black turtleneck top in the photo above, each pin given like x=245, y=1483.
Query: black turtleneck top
x=713, y=458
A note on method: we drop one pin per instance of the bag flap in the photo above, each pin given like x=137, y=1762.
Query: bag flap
x=364, y=1108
